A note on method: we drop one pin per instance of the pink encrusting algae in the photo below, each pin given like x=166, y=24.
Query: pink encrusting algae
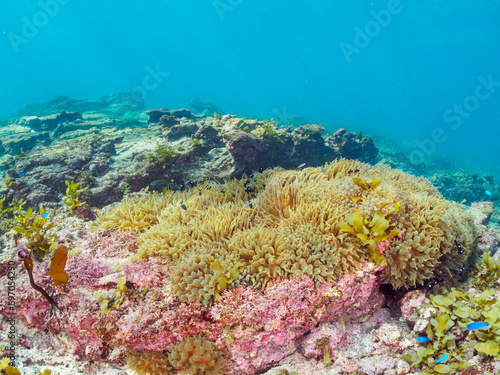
x=290, y=320
x=255, y=329
x=263, y=327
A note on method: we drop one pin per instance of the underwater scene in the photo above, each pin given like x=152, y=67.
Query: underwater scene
x=243, y=187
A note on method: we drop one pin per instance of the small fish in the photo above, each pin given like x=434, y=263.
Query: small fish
x=199, y=193
x=422, y=339
x=301, y=166
x=261, y=169
x=443, y=358
x=248, y=189
x=477, y=325
x=463, y=201
x=190, y=232
x=21, y=174
x=250, y=204
x=45, y=214
x=462, y=271
x=4, y=215
x=163, y=181
x=488, y=193
x=350, y=171
x=246, y=183
x=444, y=226
x=459, y=248
x=433, y=284
x=181, y=187
x=183, y=206
x=356, y=170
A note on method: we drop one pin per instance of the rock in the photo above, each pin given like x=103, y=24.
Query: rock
x=156, y=114
x=481, y=211
x=185, y=129
x=310, y=132
x=247, y=151
x=29, y=121
x=115, y=104
x=209, y=135
x=49, y=123
x=309, y=146
x=417, y=309
x=354, y=146
x=489, y=241
x=13, y=144
x=167, y=121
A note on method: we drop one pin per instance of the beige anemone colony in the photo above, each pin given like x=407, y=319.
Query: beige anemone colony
x=322, y=222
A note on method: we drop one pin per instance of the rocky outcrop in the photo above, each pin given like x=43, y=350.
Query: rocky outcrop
x=114, y=104
x=354, y=146
x=155, y=115
x=160, y=144
x=49, y=123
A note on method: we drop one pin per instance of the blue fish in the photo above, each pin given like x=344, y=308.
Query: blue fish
x=422, y=339
x=477, y=325
x=21, y=174
x=443, y=358
x=487, y=192
x=45, y=214
x=4, y=215
x=11, y=166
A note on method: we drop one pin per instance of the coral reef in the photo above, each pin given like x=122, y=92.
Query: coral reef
x=297, y=224
x=206, y=258
x=460, y=185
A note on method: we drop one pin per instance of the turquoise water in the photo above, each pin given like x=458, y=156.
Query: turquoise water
x=424, y=74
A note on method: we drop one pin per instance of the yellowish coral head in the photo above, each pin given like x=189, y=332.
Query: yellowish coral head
x=319, y=222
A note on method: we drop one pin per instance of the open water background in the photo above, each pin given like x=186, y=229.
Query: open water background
x=423, y=74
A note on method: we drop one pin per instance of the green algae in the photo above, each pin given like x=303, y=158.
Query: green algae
x=161, y=154
x=72, y=192
x=269, y=133
x=457, y=309
x=372, y=230
x=34, y=227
